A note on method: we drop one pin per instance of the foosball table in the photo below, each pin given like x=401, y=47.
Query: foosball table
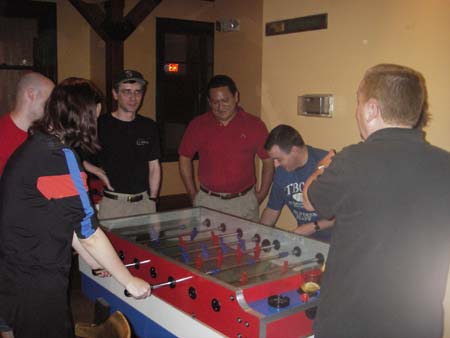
x=212, y=275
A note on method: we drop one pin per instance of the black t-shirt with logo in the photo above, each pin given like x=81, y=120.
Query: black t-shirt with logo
x=127, y=147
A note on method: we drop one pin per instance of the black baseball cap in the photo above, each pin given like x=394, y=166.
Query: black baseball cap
x=129, y=75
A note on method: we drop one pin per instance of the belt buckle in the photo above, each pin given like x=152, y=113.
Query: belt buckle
x=228, y=196
x=129, y=198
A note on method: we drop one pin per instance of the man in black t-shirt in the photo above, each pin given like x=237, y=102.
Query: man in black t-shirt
x=130, y=152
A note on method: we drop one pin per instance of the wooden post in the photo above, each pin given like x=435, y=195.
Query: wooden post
x=110, y=24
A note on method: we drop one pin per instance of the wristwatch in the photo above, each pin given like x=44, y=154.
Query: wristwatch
x=316, y=226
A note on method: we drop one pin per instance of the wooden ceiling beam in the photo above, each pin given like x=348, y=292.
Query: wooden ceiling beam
x=140, y=11
x=110, y=24
x=93, y=14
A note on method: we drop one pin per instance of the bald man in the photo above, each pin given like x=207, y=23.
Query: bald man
x=32, y=92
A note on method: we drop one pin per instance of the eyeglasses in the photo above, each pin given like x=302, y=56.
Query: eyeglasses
x=129, y=92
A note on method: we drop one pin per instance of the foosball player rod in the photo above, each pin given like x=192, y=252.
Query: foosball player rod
x=319, y=259
x=204, y=248
x=252, y=262
x=219, y=257
x=216, y=239
x=239, y=233
x=170, y=283
x=222, y=228
x=285, y=268
x=156, y=235
x=136, y=264
x=192, y=234
x=157, y=286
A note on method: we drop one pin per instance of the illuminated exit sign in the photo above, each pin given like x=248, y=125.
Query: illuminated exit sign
x=172, y=68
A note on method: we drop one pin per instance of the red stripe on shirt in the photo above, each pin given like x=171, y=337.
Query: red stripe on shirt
x=59, y=186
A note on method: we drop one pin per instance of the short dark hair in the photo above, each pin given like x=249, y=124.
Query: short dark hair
x=71, y=114
x=285, y=137
x=222, y=81
x=401, y=92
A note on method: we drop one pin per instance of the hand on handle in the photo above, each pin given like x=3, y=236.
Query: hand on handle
x=138, y=288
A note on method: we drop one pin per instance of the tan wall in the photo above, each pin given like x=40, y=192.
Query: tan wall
x=238, y=54
x=360, y=34
x=73, y=42
x=232, y=52
x=97, y=53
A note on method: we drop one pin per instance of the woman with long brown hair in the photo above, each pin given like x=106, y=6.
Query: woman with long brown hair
x=45, y=209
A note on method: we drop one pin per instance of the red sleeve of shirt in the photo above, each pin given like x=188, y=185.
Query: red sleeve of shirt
x=11, y=138
x=59, y=186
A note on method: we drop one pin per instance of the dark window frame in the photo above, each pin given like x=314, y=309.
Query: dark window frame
x=205, y=32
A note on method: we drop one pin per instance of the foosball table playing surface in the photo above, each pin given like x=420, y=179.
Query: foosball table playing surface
x=213, y=275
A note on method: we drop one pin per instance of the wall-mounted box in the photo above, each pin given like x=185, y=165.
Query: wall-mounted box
x=230, y=25
x=321, y=105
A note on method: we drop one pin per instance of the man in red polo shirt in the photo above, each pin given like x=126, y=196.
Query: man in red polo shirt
x=226, y=139
x=32, y=92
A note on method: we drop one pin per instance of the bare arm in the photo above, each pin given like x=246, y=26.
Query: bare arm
x=99, y=247
x=97, y=269
x=99, y=172
x=309, y=228
x=154, y=177
x=187, y=175
x=269, y=216
x=266, y=179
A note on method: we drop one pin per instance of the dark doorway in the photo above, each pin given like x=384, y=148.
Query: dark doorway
x=27, y=42
x=184, y=63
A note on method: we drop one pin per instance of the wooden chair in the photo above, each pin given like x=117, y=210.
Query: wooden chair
x=116, y=326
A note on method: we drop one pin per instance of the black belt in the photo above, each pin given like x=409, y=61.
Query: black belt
x=129, y=198
x=226, y=196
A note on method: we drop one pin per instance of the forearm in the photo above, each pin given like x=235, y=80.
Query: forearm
x=100, y=249
x=99, y=172
x=266, y=179
x=89, y=167
x=154, y=178
x=187, y=175
x=325, y=223
x=310, y=228
x=305, y=229
x=269, y=217
x=84, y=254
